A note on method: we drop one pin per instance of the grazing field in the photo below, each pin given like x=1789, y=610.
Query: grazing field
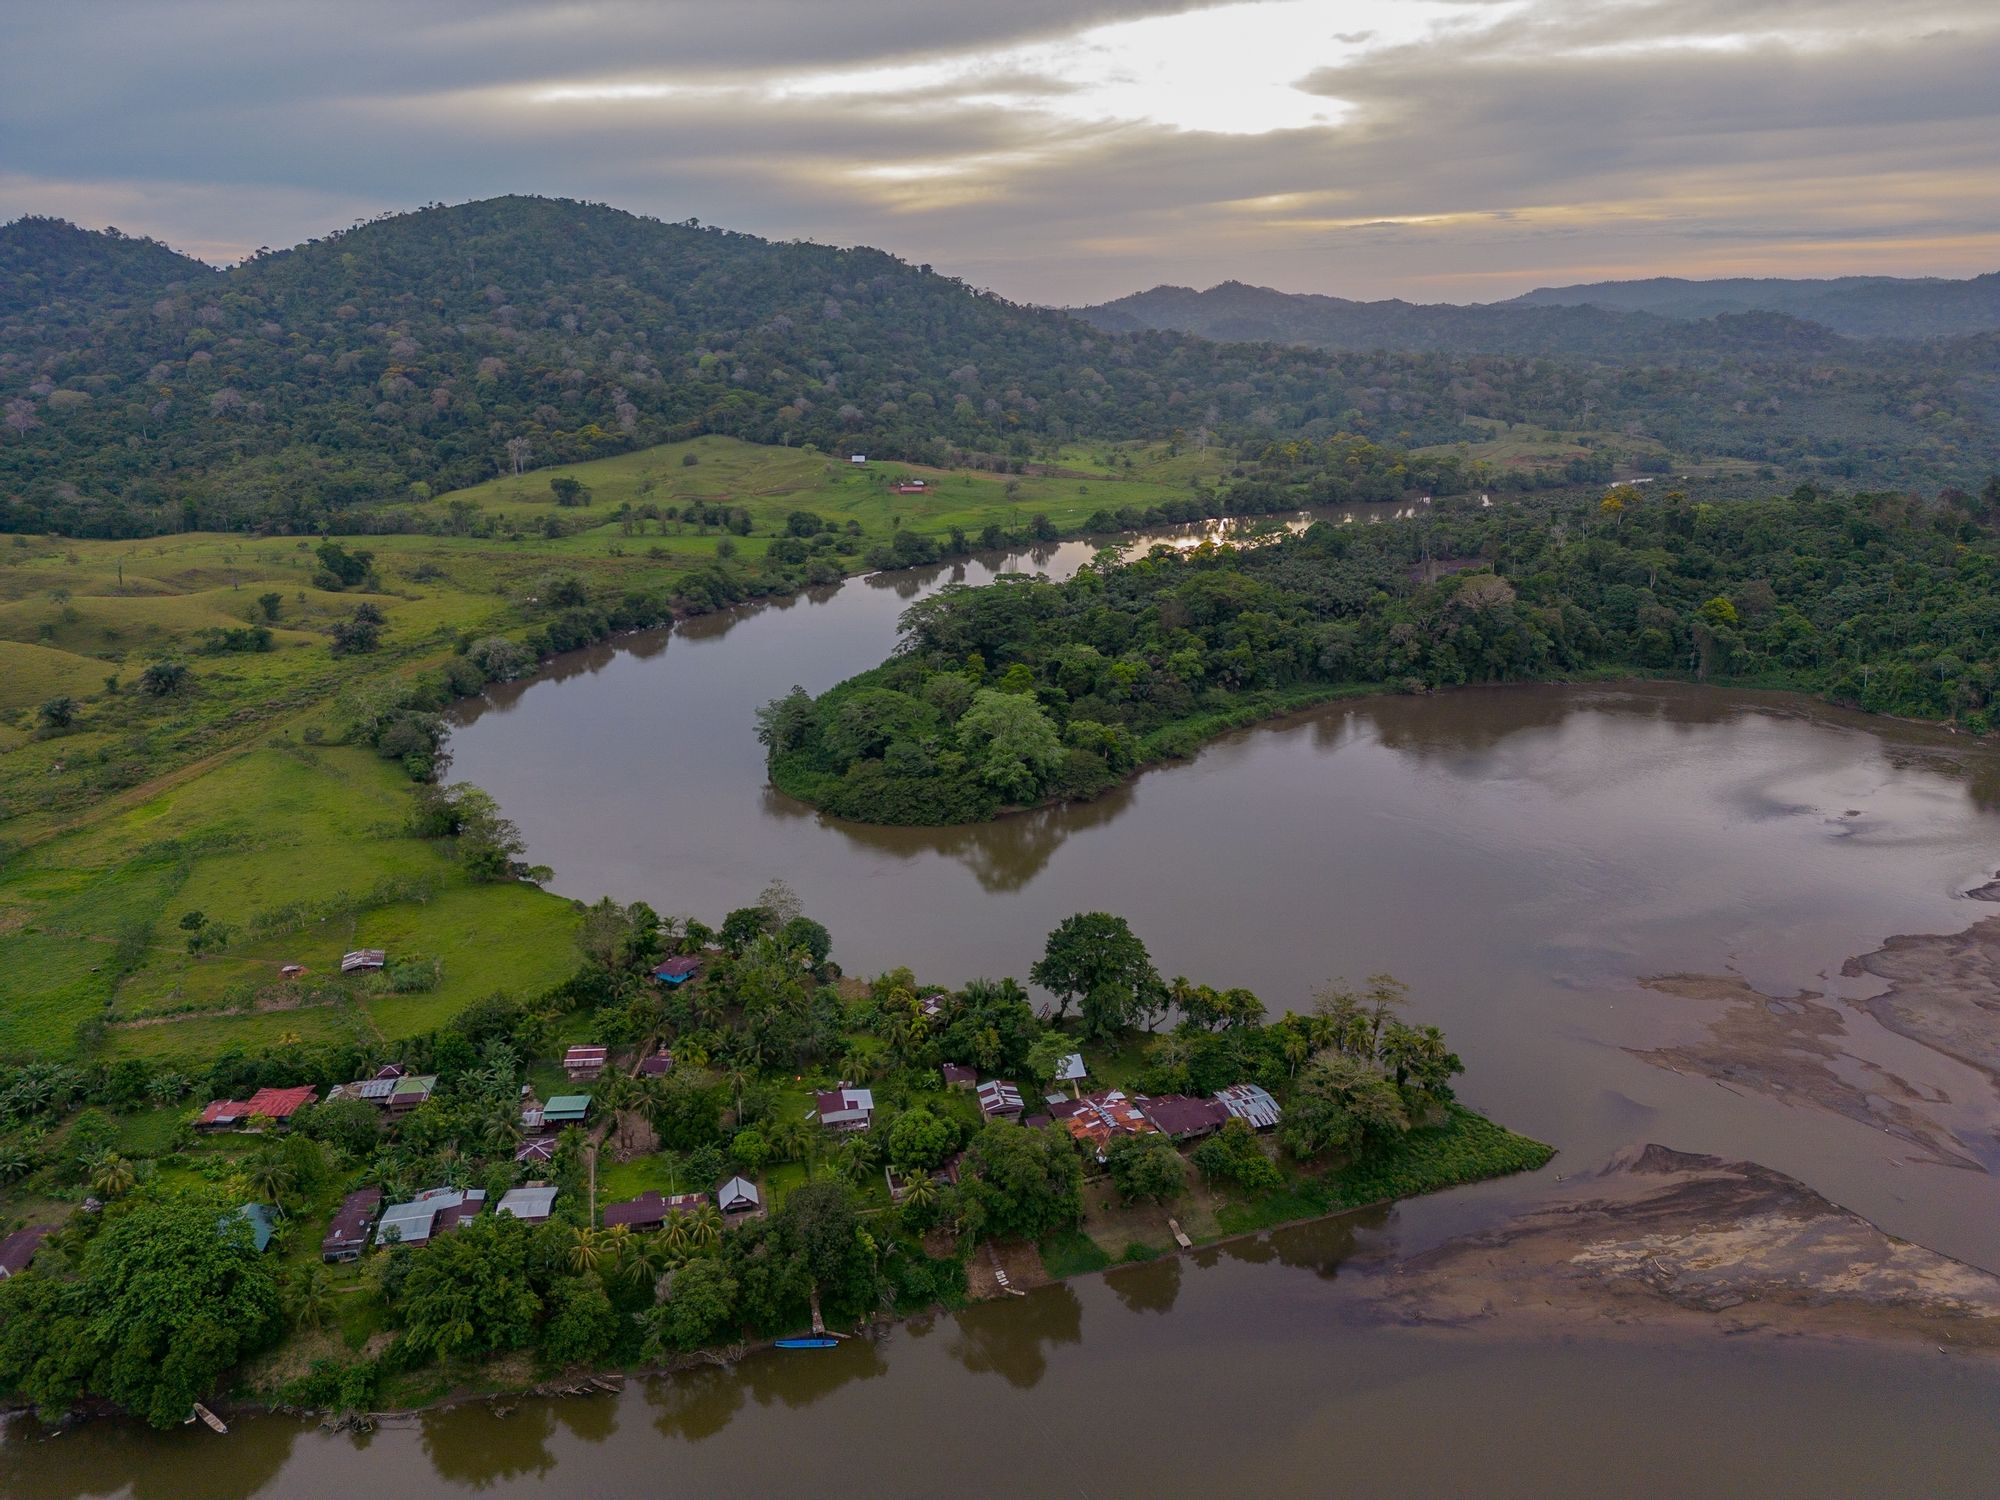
x=236, y=796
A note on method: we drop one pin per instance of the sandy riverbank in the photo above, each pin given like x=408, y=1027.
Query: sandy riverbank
x=1662, y=1242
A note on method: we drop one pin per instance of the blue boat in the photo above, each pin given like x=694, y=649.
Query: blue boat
x=820, y=1343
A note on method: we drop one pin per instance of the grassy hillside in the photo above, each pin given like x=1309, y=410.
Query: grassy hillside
x=235, y=798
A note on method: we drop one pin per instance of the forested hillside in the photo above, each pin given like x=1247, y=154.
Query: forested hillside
x=1580, y=330
x=1858, y=306
x=1026, y=690
x=141, y=391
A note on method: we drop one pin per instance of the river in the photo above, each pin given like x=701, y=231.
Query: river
x=1521, y=856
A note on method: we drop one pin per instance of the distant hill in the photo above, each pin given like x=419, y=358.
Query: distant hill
x=1234, y=310
x=141, y=390
x=50, y=264
x=1858, y=306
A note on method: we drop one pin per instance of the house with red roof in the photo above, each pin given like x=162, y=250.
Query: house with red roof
x=276, y=1105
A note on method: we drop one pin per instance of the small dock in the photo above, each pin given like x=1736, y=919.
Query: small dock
x=1180, y=1235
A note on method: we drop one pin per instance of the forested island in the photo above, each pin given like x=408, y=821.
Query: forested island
x=1026, y=691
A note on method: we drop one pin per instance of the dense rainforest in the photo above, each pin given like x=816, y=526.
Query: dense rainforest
x=144, y=391
x=1026, y=690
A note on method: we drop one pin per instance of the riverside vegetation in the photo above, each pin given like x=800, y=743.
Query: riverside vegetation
x=1026, y=690
x=139, y=1301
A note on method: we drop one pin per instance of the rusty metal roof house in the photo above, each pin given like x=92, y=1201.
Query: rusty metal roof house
x=657, y=1064
x=1099, y=1119
x=1251, y=1104
x=347, y=1236
x=650, y=1209
x=585, y=1062
x=275, y=1105
x=958, y=1076
x=1183, y=1117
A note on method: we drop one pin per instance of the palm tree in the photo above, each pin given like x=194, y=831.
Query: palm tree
x=589, y=1250
x=112, y=1176
x=922, y=1192
x=676, y=1239
x=643, y=1259
x=271, y=1175
x=704, y=1226
x=737, y=1076
x=15, y=1161
x=311, y=1296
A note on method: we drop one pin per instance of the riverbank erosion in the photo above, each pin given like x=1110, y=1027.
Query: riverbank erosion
x=1663, y=1241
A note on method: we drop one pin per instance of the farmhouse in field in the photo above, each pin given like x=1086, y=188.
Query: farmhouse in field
x=583, y=1063
x=276, y=1105
x=361, y=960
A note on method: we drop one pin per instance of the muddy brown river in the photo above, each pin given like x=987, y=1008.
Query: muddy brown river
x=1523, y=857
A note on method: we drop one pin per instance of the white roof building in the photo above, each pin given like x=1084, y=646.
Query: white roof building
x=531, y=1205
x=1251, y=1104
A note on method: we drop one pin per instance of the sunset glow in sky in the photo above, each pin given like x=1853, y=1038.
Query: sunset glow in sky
x=1057, y=152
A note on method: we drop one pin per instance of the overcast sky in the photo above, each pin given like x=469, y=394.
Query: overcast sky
x=1055, y=150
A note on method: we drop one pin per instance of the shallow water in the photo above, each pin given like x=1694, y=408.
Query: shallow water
x=1521, y=856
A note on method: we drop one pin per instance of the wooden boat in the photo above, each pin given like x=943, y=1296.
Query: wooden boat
x=814, y=1343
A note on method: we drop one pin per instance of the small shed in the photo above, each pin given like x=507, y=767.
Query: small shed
x=909, y=487
x=657, y=1064
x=262, y=1225
x=1071, y=1069
x=531, y=1205
x=959, y=1076
x=291, y=971
x=361, y=960
x=677, y=970
x=19, y=1248
x=739, y=1195
x=1000, y=1100
x=857, y=458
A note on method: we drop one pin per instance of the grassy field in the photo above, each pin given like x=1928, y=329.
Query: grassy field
x=1524, y=446
x=234, y=798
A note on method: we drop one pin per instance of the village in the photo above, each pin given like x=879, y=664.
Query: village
x=711, y=1138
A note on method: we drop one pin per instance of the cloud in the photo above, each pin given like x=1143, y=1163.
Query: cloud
x=1056, y=151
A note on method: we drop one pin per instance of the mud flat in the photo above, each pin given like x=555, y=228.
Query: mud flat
x=1943, y=989
x=1662, y=1241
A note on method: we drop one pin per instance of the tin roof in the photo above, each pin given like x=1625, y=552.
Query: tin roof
x=1071, y=1069
x=429, y=1213
x=649, y=1209
x=531, y=1203
x=536, y=1148
x=1250, y=1103
x=740, y=1191
x=565, y=1108
x=1178, y=1114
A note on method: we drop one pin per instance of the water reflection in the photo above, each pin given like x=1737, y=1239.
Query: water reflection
x=135, y=1463
x=1011, y=1338
x=476, y=1447
x=1151, y=1288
